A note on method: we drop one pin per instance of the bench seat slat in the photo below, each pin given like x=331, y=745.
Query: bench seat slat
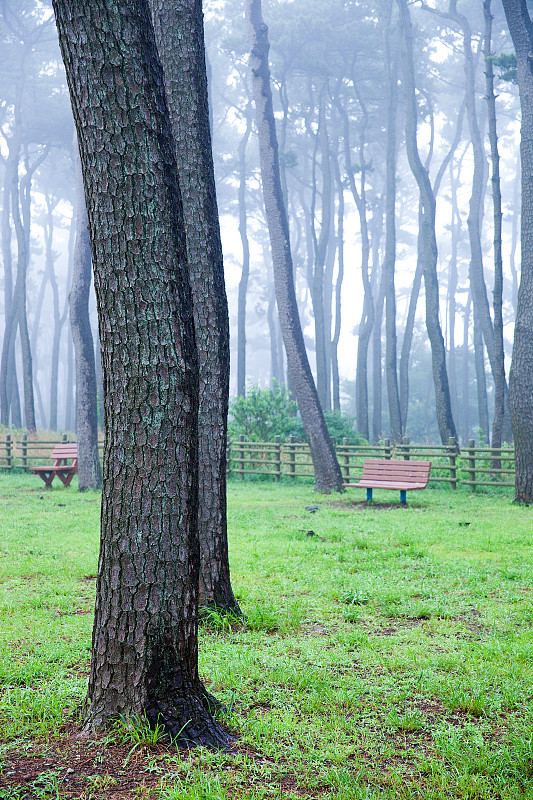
x=393, y=474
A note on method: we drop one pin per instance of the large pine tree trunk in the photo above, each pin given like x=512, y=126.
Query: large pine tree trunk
x=521, y=374
x=89, y=468
x=327, y=471
x=145, y=646
x=179, y=35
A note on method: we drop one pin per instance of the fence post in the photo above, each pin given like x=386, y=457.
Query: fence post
x=472, y=464
x=452, y=455
x=25, y=452
x=387, y=449
x=64, y=439
x=9, y=451
x=346, y=459
x=277, y=454
x=292, y=457
x=241, y=461
x=405, y=448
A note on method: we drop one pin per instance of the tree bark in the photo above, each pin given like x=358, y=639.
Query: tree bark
x=145, y=646
x=327, y=471
x=89, y=468
x=521, y=374
x=179, y=34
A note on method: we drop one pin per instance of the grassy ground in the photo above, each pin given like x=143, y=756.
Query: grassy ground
x=387, y=651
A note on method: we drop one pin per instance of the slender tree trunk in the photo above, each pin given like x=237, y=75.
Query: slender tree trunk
x=367, y=318
x=514, y=237
x=245, y=272
x=465, y=382
x=377, y=376
x=54, y=364
x=320, y=244
x=327, y=471
x=89, y=468
x=410, y=325
x=498, y=433
x=438, y=353
x=521, y=374
x=9, y=391
x=145, y=645
x=179, y=33
x=21, y=209
x=338, y=287
x=389, y=261
x=481, y=380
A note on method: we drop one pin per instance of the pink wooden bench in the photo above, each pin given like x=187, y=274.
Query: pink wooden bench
x=389, y=474
x=65, y=472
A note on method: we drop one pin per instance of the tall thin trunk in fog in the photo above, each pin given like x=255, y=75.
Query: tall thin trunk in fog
x=245, y=271
x=320, y=244
x=389, y=260
x=338, y=287
x=327, y=472
x=89, y=468
x=21, y=211
x=59, y=317
x=499, y=352
x=367, y=316
x=438, y=353
x=515, y=218
x=9, y=390
x=415, y=291
x=477, y=278
x=70, y=378
x=455, y=231
x=481, y=378
x=465, y=373
x=377, y=377
x=179, y=35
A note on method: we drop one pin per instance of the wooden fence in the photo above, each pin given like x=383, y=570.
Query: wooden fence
x=23, y=453
x=472, y=466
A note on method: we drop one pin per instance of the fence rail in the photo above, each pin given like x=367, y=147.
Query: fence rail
x=472, y=466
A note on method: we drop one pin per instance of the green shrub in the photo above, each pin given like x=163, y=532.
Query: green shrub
x=263, y=414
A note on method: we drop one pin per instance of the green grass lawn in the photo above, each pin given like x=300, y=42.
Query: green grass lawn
x=387, y=654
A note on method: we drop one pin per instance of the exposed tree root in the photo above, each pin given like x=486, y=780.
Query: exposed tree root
x=189, y=721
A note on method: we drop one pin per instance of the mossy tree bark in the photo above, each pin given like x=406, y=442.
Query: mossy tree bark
x=521, y=374
x=179, y=33
x=145, y=647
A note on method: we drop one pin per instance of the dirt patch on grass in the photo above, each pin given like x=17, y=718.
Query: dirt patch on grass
x=361, y=505
x=75, y=767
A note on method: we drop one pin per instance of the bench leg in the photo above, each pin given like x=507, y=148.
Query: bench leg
x=403, y=496
x=369, y=495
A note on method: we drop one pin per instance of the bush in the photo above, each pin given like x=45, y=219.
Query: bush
x=264, y=414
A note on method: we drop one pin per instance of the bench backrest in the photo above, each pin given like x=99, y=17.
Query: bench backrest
x=65, y=451
x=389, y=470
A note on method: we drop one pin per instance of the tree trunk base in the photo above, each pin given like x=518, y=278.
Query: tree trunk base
x=189, y=721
